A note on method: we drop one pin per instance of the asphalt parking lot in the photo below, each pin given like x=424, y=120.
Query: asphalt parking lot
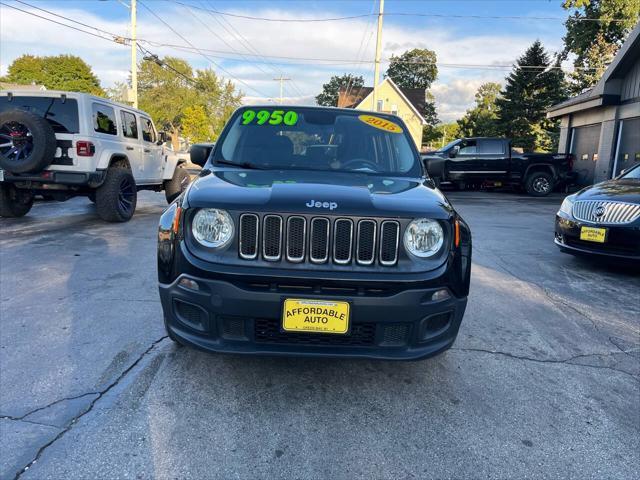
x=543, y=381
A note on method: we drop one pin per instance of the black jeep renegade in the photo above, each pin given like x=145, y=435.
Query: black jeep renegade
x=313, y=232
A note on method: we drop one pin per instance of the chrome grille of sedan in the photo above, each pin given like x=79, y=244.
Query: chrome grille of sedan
x=318, y=240
x=606, y=212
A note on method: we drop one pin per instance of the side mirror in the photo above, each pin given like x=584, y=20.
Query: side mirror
x=162, y=138
x=200, y=154
x=454, y=151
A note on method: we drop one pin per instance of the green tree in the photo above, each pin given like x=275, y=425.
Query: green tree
x=195, y=124
x=482, y=119
x=417, y=69
x=60, y=72
x=533, y=86
x=170, y=90
x=595, y=43
x=329, y=95
x=414, y=68
x=441, y=134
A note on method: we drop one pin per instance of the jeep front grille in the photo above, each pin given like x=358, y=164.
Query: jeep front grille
x=606, y=212
x=318, y=240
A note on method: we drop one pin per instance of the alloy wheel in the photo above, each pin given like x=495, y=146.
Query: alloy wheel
x=541, y=185
x=16, y=141
x=125, y=196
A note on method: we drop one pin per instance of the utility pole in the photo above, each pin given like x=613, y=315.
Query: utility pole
x=281, y=80
x=376, y=71
x=134, y=59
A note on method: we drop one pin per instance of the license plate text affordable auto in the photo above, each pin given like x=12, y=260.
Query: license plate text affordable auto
x=593, y=234
x=317, y=316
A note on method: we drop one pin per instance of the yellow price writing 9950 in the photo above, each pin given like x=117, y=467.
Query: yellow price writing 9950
x=266, y=117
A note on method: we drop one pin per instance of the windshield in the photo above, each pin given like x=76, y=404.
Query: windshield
x=447, y=146
x=317, y=139
x=633, y=173
x=61, y=114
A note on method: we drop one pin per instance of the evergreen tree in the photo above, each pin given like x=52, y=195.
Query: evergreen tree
x=533, y=86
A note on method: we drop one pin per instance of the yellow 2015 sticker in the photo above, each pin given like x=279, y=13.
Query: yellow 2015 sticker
x=380, y=123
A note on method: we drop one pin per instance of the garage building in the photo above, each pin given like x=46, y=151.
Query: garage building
x=601, y=126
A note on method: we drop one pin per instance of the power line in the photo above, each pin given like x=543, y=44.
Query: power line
x=248, y=46
x=360, y=52
x=300, y=60
x=66, y=25
x=201, y=53
x=398, y=14
x=149, y=56
x=243, y=41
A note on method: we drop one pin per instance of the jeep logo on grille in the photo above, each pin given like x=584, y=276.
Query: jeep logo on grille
x=314, y=204
x=599, y=211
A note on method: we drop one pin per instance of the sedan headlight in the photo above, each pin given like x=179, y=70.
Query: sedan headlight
x=567, y=204
x=423, y=237
x=212, y=227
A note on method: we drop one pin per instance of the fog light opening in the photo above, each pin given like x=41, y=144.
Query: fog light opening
x=442, y=294
x=190, y=284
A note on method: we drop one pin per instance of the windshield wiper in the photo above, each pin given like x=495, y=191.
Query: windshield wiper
x=246, y=165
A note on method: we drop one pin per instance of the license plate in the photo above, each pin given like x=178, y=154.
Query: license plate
x=1, y=175
x=592, y=234
x=318, y=316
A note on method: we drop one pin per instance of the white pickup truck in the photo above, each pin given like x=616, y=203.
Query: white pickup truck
x=67, y=144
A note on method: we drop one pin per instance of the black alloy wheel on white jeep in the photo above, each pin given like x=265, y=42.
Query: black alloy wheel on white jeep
x=14, y=202
x=27, y=142
x=116, y=198
x=178, y=184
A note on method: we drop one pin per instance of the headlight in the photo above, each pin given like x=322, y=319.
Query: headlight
x=212, y=227
x=423, y=237
x=567, y=204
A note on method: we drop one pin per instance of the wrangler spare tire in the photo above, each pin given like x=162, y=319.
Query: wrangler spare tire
x=27, y=142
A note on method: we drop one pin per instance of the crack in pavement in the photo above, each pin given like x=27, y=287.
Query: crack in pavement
x=100, y=394
x=55, y=402
x=9, y=417
x=566, y=361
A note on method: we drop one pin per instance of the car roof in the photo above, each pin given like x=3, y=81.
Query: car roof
x=76, y=95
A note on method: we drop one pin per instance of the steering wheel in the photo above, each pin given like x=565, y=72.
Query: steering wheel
x=360, y=162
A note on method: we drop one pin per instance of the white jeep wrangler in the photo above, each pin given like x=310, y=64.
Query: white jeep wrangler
x=66, y=144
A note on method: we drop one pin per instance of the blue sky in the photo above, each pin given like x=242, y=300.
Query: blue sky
x=435, y=24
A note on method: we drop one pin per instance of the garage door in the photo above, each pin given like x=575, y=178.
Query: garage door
x=584, y=146
x=629, y=146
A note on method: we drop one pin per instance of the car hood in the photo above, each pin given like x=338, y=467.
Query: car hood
x=623, y=190
x=292, y=191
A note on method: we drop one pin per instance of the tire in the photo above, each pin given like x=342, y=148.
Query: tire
x=28, y=142
x=539, y=184
x=116, y=198
x=178, y=184
x=14, y=202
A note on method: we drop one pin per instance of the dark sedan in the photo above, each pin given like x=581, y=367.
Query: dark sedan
x=603, y=219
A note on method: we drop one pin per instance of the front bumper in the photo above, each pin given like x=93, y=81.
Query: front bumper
x=623, y=241
x=237, y=317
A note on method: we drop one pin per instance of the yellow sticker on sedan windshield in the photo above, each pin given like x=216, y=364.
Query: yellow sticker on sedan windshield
x=380, y=123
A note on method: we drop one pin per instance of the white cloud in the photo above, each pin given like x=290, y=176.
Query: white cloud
x=335, y=40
